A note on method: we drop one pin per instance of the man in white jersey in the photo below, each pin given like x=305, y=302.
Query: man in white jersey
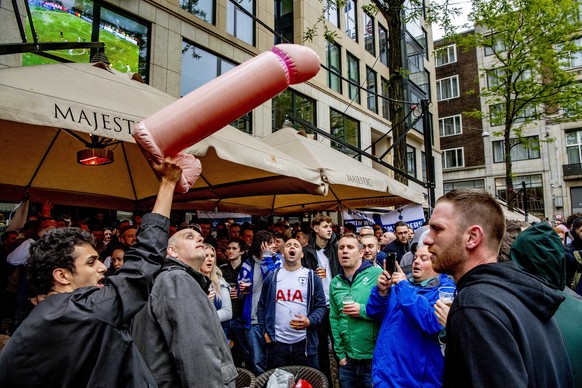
x=291, y=306
x=321, y=255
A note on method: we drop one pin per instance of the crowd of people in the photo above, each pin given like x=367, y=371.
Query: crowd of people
x=151, y=304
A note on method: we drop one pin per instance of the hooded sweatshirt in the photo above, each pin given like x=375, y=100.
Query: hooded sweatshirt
x=500, y=332
x=539, y=251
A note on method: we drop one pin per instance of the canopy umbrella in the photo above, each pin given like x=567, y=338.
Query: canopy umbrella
x=50, y=112
x=351, y=183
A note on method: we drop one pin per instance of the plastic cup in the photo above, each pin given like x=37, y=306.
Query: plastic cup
x=447, y=295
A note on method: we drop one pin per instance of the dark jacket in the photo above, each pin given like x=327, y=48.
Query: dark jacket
x=81, y=339
x=179, y=333
x=310, y=255
x=572, y=265
x=315, y=308
x=539, y=251
x=500, y=332
x=397, y=247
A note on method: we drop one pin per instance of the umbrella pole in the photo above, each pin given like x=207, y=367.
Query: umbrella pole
x=43, y=158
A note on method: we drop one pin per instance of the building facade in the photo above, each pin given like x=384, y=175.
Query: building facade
x=179, y=45
x=473, y=148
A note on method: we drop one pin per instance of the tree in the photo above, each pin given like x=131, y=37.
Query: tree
x=532, y=43
x=396, y=13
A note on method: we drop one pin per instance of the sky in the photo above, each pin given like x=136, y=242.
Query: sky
x=464, y=5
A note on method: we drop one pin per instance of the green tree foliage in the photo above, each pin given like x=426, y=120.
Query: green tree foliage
x=532, y=44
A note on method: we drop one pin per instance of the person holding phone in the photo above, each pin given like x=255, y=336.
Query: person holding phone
x=407, y=349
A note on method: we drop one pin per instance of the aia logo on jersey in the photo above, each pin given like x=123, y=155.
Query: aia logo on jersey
x=297, y=296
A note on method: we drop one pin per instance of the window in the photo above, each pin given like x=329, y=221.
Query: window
x=203, y=9
x=411, y=160
x=347, y=129
x=385, y=101
x=350, y=13
x=449, y=126
x=238, y=23
x=453, y=158
x=284, y=21
x=446, y=55
x=334, y=63
x=497, y=114
x=494, y=78
x=535, y=192
x=448, y=88
x=476, y=184
x=372, y=89
x=383, y=42
x=199, y=67
x=369, y=34
x=125, y=36
x=527, y=149
x=293, y=103
x=574, y=147
x=354, y=78
x=493, y=45
x=332, y=12
x=575, y=59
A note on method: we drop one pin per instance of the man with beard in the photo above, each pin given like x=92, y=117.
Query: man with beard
x=291, y=307
x=500, y=330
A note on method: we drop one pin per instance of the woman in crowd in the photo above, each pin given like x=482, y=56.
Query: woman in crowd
x=220, y=290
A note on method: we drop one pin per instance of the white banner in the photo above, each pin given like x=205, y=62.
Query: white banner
x=413, y=215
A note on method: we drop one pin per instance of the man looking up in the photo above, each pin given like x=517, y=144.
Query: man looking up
x=408, y=321
x=517, y=343
x=353, y=332
x=291, y=307
x=178, y=331
x=78, y=336
x=321, y=255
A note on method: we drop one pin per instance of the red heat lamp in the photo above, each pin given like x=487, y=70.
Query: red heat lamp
x=95, y=157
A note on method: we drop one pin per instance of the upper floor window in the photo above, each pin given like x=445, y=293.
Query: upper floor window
x=350, y=13
x=203, y=9
x=238, y=23
x=334, y=63
x=574, y=147
x=332, y=12
x=411, y=160
x=199, y=67
x=453, y=158
x=575, y=59
x=354, y=78
x=284, y=21
x=497, y=114
x=527, y=149
x=493, y=44
x=385, y=86
x=447, y=88
x=449, y=126
x=369, y=34
x=372, y=89
x=345, y=128
x=291, y=102
x=383, y=43
x=446, y=55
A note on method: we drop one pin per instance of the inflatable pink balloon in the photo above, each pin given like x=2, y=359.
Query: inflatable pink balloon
x=224, y=99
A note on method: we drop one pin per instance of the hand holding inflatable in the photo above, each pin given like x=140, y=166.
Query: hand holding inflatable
x=224, y=99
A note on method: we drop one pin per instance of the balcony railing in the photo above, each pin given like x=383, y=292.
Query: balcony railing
x=572, y=171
